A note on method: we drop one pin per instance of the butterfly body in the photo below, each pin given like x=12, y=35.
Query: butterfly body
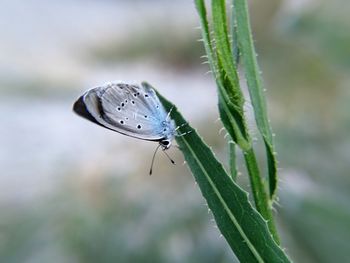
x=129, y=109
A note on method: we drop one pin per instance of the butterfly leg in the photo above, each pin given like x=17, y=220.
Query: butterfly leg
x=183, y=134
x=168, y=116
x=178, y=127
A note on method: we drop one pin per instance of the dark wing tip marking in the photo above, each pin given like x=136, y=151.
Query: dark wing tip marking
x=79, y=107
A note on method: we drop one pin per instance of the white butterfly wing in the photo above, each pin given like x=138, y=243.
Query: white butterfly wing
x=127, y=109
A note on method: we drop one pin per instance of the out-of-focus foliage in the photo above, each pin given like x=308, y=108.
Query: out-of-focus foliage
x=104, y=220
x=305, y=61
x=158, y=45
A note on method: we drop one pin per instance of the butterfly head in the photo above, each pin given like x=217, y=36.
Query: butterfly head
x=165, y=144
x=168, y=134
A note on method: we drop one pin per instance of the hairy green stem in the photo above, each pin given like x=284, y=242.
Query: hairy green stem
x=259, y=193
x=252, y=73
x=232, y=154
x=231, y=99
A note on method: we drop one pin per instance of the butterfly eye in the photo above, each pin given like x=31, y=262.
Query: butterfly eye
x=146, y=95
x=118, y=108
x=146, y=116
x=139, y=126
x=121, y=122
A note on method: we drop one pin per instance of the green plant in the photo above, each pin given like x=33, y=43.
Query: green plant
x=250, y=232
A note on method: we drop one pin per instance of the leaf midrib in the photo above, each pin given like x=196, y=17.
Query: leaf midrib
x=232, y=217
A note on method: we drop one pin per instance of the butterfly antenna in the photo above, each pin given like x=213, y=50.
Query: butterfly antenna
x=171, y=160
x=154, y=155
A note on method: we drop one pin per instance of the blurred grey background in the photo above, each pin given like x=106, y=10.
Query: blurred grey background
x=73, y=192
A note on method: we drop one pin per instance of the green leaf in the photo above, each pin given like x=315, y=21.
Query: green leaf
x=241, y=225
x=252, y=73
x=223, y=49
x=230, y=96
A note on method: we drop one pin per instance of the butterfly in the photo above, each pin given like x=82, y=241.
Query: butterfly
x=129, y=109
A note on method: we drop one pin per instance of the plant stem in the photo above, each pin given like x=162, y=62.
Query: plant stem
x=232, y=154
x=259, y=193
x=257, y=97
